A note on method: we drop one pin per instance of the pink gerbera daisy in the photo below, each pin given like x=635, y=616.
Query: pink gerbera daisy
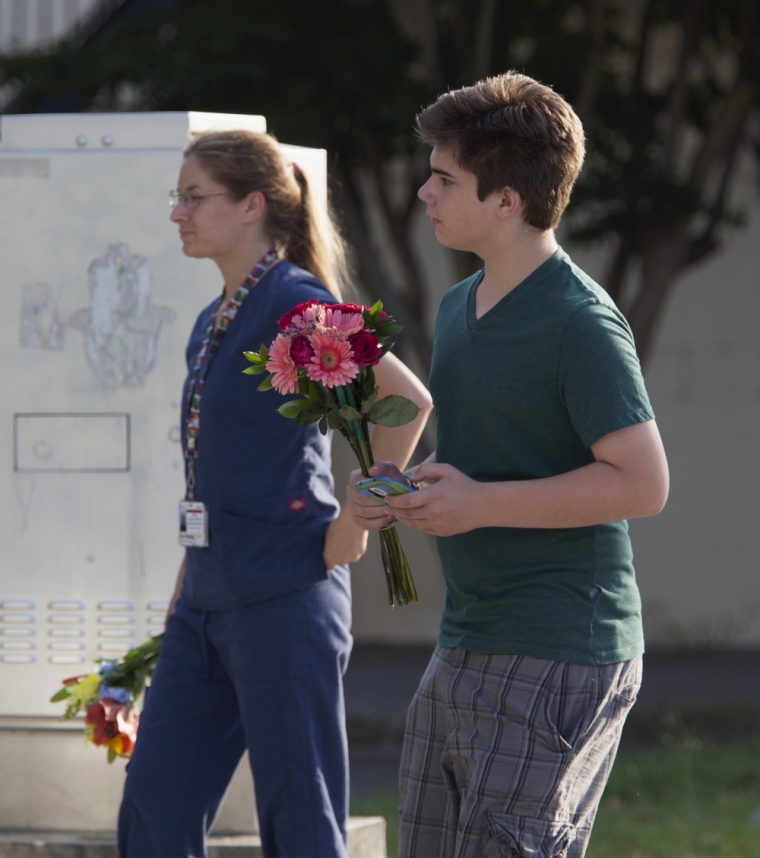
x=333, y=363
x=285, y=378
x=347, y=323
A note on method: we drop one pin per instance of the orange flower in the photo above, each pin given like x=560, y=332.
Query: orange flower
x=112, y=724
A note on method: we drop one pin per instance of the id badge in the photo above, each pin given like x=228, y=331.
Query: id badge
x=193, y=524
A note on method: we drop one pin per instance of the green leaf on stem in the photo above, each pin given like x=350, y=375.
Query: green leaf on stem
x=323, y=426
x=388, y=329
x=368, y=382
x=370, y=401
x=349, y=413
x=266, y=384
x=61, y=694
x=333, y=420
x=376, y=308
x=316, y=392
x=111, y=755
x=257, y=369
x=393, y=411
x=253, y=357
x=294, y=406
x=304, y=418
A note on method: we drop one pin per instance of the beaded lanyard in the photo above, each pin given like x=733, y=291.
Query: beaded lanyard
x=215, y=333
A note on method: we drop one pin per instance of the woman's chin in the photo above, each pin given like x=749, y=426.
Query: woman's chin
x=191, y=250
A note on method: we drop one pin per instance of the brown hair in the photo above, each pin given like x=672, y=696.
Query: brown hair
x=511, y=131
x=298, y=226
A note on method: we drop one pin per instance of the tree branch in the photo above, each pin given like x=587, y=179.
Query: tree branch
x=484, y=31
x=399, y=229
x=692, y=25
x=662, y=257
x=615, y=278
x=596, y=14
x=370, y=272
x=708, y=241
x=723, y=134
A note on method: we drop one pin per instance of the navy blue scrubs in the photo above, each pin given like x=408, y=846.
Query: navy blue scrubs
x=257, y=647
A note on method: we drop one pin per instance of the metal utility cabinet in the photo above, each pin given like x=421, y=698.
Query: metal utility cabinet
x=99, y=302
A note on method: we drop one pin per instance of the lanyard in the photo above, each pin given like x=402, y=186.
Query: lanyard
x=215, y=333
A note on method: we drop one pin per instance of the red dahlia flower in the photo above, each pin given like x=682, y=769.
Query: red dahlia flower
x=366, y=348
x=347, y=308
x=301, y=351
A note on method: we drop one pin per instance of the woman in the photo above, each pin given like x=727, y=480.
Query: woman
x=258, y=635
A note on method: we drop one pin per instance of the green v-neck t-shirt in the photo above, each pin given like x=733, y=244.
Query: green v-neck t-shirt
x=521, y=394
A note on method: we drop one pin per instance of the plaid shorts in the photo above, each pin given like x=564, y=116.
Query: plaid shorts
x=508, y=755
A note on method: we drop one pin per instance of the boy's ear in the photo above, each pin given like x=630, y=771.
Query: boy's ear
x=510, y=203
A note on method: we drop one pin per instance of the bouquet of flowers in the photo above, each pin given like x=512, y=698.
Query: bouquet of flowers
x=325, y=353
x=110, y=696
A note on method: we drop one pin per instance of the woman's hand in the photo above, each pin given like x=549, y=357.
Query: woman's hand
x=345, y=541
x=371, y=513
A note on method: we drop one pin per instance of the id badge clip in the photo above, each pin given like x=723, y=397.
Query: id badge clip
x=193, y=524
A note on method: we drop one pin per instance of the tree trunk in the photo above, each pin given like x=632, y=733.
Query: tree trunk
x=370, y=272
x=663, y=257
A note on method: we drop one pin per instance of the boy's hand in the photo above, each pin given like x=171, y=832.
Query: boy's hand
x=443, y=509
x=371, y=513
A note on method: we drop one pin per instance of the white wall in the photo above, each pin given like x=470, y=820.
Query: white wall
x=697, y=562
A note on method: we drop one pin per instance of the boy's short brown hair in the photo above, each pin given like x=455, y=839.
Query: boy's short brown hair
x=511, y=131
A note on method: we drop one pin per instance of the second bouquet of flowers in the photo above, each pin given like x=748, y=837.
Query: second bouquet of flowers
x=110, y=696
x=325, y=354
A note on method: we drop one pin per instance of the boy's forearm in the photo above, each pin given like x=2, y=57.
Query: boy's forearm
x=594, y=494
x=629, y=479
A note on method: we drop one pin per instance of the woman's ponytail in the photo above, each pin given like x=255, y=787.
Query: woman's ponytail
x=318, y=246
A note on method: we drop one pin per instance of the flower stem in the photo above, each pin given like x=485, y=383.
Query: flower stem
x=398, y=576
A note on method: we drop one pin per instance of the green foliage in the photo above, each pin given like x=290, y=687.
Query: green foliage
x=666, y=115
x=258, y=359
x=324, y=74
x=392, y=411
x=691, y=800
x=293, y=407
x=369, y=401
x=349, y=413
x=137, y=666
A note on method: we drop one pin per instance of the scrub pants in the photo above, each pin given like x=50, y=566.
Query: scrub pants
x=267, y=677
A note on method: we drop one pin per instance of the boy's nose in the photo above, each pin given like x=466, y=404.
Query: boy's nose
x=425, y=195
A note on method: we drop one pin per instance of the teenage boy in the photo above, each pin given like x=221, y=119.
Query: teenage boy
x=546, y=445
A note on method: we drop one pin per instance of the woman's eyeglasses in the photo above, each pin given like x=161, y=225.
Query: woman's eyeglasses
x=191, y=201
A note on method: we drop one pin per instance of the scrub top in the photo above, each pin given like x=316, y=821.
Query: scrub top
x=265, y=480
